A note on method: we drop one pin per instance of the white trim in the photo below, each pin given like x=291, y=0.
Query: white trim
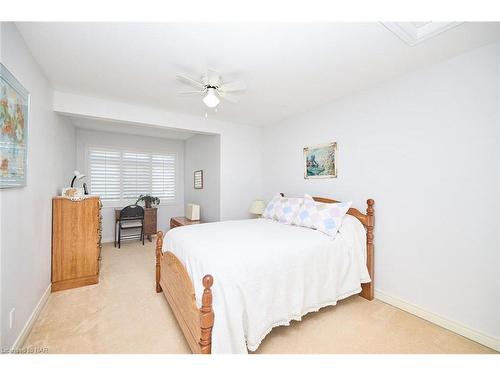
x=413, y=34
x=23, y=335
x=441, y=321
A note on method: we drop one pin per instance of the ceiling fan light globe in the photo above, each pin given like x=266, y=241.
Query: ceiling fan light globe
x=211, y=100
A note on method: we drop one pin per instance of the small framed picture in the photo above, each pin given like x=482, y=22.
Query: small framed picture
x=198, y=179
x=320, y=161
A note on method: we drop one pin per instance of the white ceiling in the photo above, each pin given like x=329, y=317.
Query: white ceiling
x=289, y=68
x=128, y=128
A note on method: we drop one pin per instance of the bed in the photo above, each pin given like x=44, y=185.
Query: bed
x=229, y=283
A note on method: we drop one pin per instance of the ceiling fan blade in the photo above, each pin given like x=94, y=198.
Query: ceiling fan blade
x=190, y=92
x=229, y=97
x=213, y=77
x=190, y=81
x=233, y=86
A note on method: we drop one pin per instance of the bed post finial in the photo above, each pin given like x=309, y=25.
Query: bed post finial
x=368, y=289
x=159, y=245
x=207, y=316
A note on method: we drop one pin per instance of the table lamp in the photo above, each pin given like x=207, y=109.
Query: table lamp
x=78, y=176
x=258, y=206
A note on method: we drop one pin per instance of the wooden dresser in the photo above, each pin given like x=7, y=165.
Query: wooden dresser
x=76, y=242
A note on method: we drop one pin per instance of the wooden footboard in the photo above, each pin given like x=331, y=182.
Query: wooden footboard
x=173, y=279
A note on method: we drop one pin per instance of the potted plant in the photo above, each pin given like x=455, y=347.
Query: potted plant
x=148, y=200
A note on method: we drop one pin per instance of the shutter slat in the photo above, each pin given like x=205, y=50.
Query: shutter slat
x=118, y=175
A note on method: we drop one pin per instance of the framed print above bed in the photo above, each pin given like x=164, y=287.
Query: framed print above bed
x=14, y=109
x=320, y=161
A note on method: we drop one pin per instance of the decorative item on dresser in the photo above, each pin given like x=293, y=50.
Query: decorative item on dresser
x=181, y=221
x=76, y=242
x=150, y=221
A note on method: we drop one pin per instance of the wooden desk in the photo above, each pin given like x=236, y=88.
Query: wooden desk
x=150, y=221
x=181, y=221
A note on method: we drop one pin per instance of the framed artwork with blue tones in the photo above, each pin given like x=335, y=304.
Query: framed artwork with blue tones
x=320, y=161
x=14, y=110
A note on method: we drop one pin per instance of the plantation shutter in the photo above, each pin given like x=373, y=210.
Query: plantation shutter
x=122, y=175
x=163, y=176
x=136, y=175
x=104, y=167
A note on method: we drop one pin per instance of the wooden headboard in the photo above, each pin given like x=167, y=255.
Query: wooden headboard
x=368, y=220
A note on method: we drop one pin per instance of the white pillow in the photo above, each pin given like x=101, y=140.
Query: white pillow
x=286, y=209
x=270, y=209
x=325, y=217
x=282, y=209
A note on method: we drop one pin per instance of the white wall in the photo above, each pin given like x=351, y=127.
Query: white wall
x=1, y=309
x=203, y=153
x=27, y=212
x=86, y=138
x=425, y=147
x=240, y=146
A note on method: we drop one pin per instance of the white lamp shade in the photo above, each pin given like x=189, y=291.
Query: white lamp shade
x=78, y=175
x=211, y=100
x=258, y=207
x=193, y=212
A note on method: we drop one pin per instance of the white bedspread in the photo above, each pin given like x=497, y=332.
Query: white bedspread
x=267, y=274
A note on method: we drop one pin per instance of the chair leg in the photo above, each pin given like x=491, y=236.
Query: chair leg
x=142, y=235
x=120, y=237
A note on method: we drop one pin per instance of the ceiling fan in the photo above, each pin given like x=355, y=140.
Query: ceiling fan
x=213, y=88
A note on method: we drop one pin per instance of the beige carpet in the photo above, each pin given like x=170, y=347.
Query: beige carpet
x=123, y=314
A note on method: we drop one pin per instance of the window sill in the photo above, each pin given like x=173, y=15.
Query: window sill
x=121, y=205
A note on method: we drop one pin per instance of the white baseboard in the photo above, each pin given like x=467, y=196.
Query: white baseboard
x=32, y=319
x=450, y=325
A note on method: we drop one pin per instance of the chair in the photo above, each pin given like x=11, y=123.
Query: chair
x=131, y=217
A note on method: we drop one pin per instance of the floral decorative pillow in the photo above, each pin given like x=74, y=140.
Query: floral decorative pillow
x=325, y=217
x=270, y=209
x=286, y=209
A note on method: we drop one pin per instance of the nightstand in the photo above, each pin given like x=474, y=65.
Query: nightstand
x=181, y=221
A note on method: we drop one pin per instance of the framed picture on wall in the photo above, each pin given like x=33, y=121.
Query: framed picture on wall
x=198, y=179
x=14, y=110
x=320, y=161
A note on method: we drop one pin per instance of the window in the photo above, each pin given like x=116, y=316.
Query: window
x=121, y=176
